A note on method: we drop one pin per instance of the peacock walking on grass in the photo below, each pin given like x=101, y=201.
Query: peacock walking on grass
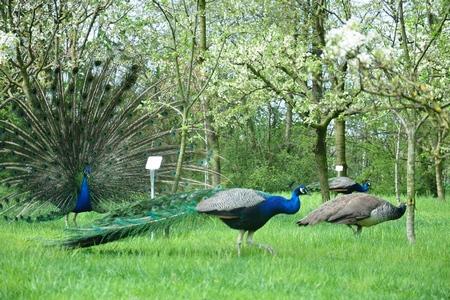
x=358, y=209
x=78, y=142
x=343, y=185
x=246, y=210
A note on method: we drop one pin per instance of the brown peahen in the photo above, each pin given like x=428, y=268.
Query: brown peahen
x=79, y=142
x=358, y=209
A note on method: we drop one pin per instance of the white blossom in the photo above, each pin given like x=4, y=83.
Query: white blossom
x=344, y=40
x=364, y=58
x=7, y=46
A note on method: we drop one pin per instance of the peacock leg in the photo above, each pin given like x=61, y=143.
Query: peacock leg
x=167, y=231
x=75, y=219
x=250, y=242
x=239, y=241
x=66, y=220
x=356, y=231
x=350, y=226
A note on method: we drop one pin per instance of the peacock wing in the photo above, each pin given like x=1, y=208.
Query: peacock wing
x=231, y=199
x=340, y=182
x=358, y=206
x=325, y=211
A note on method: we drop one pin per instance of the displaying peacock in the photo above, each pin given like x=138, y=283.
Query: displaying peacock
x=79, y=142
x=246, y=210
x=83, y=202
x=358, y=209
x=342, y=185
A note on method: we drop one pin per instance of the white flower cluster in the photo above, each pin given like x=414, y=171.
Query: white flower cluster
x=345, y=41
x=7, y=46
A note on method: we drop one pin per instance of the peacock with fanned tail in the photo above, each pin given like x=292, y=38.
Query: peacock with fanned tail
x=79, y=142
x=245, y=210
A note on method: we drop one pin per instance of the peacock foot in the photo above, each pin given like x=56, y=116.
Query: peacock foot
x=267, y=248
x=262, y=246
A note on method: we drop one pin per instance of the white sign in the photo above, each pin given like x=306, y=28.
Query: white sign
x=339, y=168
x=153, y=162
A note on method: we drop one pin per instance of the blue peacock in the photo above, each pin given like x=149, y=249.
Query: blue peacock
x=246, y=210
x=343, y=185
x=83, y=201
x=79, y=142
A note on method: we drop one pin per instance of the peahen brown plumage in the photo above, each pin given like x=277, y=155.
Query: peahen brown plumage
x=246, y=210
x=358, y=209
x=79, y=142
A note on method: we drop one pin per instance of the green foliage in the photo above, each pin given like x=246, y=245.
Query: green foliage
x=267, y=166
x=268, y=178
x=322, y=262
x=280, y=53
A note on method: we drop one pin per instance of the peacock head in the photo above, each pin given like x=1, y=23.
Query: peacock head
x=402, y=207
x=87, y=170
x=301, y=190
x=366, y=185
x=399, y=211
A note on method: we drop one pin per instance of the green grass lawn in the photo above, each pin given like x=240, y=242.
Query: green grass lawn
x=322, y=262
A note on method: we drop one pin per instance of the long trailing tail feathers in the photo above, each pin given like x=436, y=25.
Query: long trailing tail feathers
x=140, y=218
x=87, y=237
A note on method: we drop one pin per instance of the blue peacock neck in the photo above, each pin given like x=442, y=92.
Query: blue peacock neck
x=279, y=205
x=83, y=197
x=293, y=205
x=362, y=188
x=289, y=206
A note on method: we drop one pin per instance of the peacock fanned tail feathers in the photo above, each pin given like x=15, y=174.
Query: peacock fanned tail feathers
x=142, y=217
x=82, y=117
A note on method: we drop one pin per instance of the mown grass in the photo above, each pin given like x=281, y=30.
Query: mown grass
x=322, y=262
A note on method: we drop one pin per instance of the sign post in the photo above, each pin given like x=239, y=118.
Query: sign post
x=339, y=169
x=153, y=164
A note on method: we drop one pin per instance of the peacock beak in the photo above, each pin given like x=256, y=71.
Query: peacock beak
x=305, y=191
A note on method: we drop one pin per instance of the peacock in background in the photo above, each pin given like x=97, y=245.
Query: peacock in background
x=79, y=142
x=358, y=209
x=342, y=184
x=246, y=210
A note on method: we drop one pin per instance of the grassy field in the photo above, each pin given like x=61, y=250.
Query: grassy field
x=322, y=262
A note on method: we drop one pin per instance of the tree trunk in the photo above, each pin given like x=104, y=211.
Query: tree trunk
x=202, y=27
x=340, y=124
x=269, y=136
x=320, y=152
x=253, y=139
x=318, y=42
x=397, y=166
x=288, y=128
x=439, y=182
x=410, y=185
x=212, y=139
x=340, y=146
x=214, y=145
x=180, y=159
